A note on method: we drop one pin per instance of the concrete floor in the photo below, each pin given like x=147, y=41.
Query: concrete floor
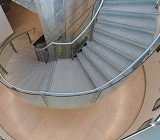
x=107, y=120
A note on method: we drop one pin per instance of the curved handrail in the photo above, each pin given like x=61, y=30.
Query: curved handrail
x=100, y=88
x=72, y=42
x=1, y=49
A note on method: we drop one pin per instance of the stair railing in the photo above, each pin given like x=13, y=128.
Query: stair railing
x=10, y=46
x=72, y=43
x=151, y=49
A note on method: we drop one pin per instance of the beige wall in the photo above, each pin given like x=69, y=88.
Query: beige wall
x=5, y=28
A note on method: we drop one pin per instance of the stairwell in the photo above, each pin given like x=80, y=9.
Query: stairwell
x=123, y=32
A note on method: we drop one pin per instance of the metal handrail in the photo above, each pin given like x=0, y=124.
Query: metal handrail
x=72, y=42
x=1, y=49
x=100, y=88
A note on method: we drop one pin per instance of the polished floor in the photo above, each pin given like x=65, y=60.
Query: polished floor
x=106, y=120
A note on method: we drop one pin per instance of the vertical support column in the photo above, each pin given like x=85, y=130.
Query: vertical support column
x=51, y=14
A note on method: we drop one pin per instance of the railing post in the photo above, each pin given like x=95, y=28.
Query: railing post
x=72, y=52
x=55, y=52
x=14, y=49
x=29, y=37
x=43, y=97
x=3, y=69
x=91, y=31
x=158, y=48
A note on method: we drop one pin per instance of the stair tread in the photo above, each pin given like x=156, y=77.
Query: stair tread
x=139, y=22
x=147, y=8
x=35, y=81
x=13, y=66
x=68, y=79
x=133, y=35
x=47, y=79
x=131, y=12
x=18, y=79
x=126, y=2
x=95, y=75
x=102, y=64
x=82, y=79
x=26, y=78
x=19, y=71
x=118, y=60
x=118, y=45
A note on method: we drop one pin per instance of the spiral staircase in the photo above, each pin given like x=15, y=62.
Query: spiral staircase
x=122, y=34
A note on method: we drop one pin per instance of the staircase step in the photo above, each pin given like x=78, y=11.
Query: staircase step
x=27, y=78
x=48, y=78
x=128, y=50
x=36, y=79
x=119, y=61
x=20, y=55
x=126, y=2
x=69, y=76
x=93, y=72
x=132, y=35
x=131, y=12
x=10, y=67
x=129, y=7
x=22, y=59
x=83, y=81
x=18, y=72
x=107, y=69
x=144, y=24
x=32, y=69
